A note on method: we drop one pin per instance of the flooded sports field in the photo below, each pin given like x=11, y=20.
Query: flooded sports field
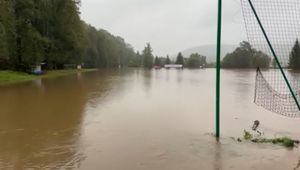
x=135, y=119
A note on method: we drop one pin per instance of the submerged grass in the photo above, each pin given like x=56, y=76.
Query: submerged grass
x=11, y=77
x=247, y=135
x=57, y=73
x=285, y=141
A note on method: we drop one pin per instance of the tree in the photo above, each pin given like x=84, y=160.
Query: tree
x=168, y=61
x=194, y=61
x=157, y=61
x=179, y=59
x=7, y=33
x=246, y=57
x=104, y=50
x=135, y=60
x=66, y=33
x=203, y=62
x=29, y=46
x=260, y=60
x=51, y=31
x=3, y=43
x=148, y=57
x=294, y=60
x=139, y=59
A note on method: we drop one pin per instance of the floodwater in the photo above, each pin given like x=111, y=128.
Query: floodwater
x=136, y=119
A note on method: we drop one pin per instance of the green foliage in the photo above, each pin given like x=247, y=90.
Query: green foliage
x=51, y=31
x=247, y=135
x=10, y=77
x=7, y=77
x=148, y=56
x=103, y=50
x=196, y=60
x=65, y=31
x=135, y=60
x=3, y=43
x=7, y=32
x=40, y=30
x=179, y=59
x=285, y=141
x=29, y=41
x=294, y=61
x=246, y=57
x=260, y=60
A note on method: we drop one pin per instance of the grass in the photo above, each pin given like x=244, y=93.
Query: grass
x=11, y=77
x=247, y=135
x=284, y=141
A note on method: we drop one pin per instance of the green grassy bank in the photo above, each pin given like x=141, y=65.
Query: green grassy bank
x=11, y=77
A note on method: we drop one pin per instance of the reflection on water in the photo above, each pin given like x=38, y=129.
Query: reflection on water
x=137, y=119
x=39, y=119
x=218, y=156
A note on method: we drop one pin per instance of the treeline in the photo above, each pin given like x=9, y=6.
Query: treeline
x=104, y=50
x=147, y=59
x=51, y=32
x=245, y=56
x=195, y=60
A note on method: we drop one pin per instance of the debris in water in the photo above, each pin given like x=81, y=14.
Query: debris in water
x=255, y=125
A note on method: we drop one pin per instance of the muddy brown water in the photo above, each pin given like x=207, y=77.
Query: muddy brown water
x=136, y=119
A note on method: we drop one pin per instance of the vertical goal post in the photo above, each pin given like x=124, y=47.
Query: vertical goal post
x=218, y=67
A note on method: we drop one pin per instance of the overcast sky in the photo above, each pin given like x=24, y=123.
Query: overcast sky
x=169, y=25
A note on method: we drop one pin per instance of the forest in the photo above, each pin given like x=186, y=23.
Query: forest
x=245, y=56
x=51, y=32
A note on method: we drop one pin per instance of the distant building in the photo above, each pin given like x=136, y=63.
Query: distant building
x=173, y=66
x=37, y=69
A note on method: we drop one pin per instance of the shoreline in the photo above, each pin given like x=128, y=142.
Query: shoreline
x=9, y=77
